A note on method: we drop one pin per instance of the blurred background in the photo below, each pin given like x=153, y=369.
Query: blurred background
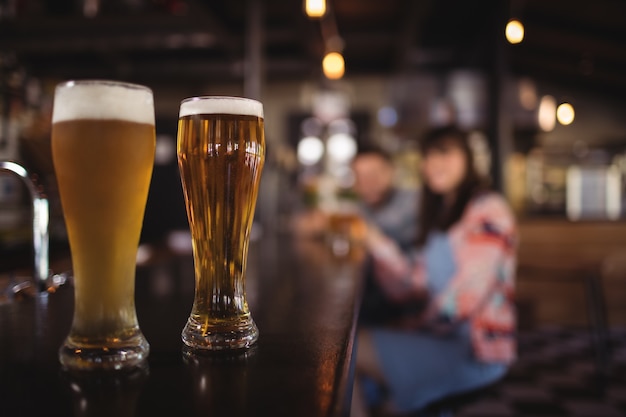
x=539, y=84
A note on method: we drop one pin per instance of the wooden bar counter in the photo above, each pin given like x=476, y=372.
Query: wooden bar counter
x=304, y=301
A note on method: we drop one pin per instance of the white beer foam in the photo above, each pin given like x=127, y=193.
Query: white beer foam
x=221, y=105
x=103, y=101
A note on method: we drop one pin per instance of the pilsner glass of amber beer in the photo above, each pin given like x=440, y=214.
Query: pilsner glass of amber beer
x=103, y=145
x=221, y=151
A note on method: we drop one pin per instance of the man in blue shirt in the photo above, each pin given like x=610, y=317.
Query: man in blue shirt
x=393, y=210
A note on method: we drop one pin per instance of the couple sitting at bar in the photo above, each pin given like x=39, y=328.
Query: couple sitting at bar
x=461, y=272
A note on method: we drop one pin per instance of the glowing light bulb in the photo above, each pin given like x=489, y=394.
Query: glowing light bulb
x=341, y=147
x=514, y=31
x=315, y=8
x=547, y=110
x=333, y=66
x=310, y=150
x=565, y=114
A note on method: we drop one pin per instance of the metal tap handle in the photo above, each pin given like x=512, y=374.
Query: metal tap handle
x=40, y=223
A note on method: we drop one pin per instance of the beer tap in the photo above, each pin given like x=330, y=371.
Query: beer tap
x=40, y=223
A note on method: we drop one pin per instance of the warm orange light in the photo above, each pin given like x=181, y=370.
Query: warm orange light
x=514, y=31
x=333, y=65
x=315, y=8
x=565, y=114
x=547, y=110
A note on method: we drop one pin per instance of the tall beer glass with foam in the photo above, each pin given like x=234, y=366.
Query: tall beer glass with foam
x=103, y=143
x=221, y=150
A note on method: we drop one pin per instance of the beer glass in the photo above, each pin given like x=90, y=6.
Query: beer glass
x=103, y=144
x=221, y=151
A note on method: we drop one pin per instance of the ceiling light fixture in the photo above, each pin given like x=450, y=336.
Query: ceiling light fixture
x=514, y=31
x=565, y=114
x=333, y=65
x=315, y=8
x=546, y=113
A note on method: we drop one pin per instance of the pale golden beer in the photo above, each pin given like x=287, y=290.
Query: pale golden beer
x=103, y=143
x=221, y=151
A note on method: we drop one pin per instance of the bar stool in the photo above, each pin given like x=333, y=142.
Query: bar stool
x=590, y=275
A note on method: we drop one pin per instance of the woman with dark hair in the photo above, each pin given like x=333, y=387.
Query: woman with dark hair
x=462, y=269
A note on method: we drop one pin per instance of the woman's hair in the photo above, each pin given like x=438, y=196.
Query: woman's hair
x=433, y=216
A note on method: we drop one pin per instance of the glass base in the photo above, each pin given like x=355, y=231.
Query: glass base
x=123, y=354
x=202, y=337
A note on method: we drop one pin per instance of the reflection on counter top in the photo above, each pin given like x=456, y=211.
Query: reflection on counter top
x=304, y=301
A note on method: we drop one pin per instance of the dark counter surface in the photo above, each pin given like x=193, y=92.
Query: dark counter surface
x=304, y=301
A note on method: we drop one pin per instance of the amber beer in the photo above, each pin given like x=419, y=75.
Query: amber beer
x=346, y=230
x=103, y=143
x=221, y=151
